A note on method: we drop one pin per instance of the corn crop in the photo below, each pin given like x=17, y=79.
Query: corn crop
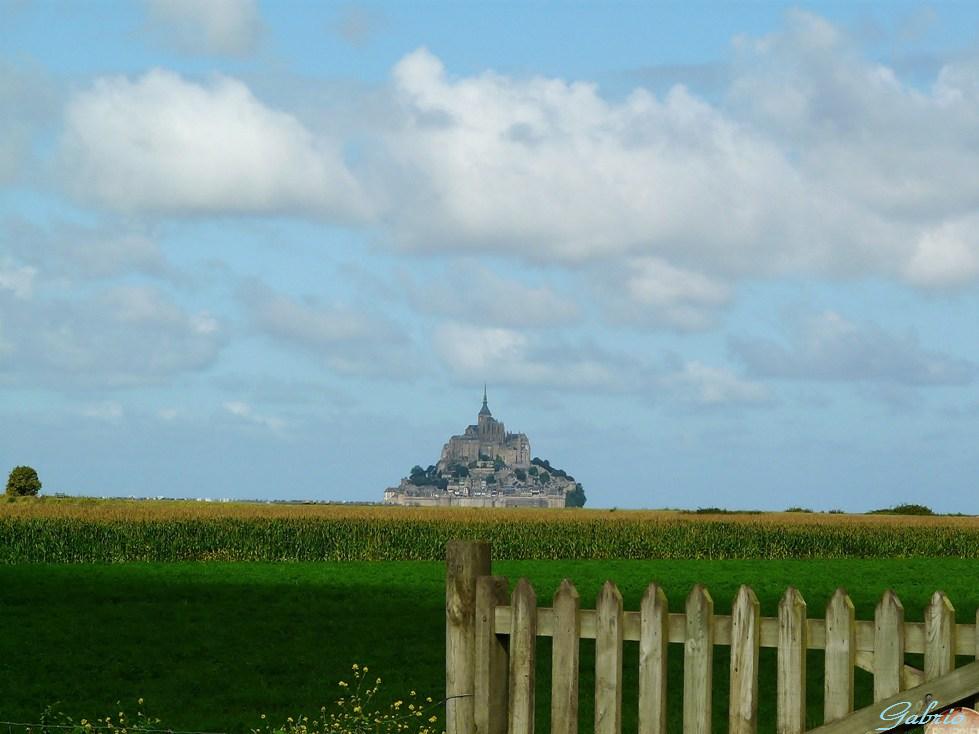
x=52, y=530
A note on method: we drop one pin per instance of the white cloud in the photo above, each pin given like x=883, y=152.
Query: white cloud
x=109, y=411
x=543, y=168
x=345, y=339
x=19, y=280
x=485, y=297
x=224, y=27
x=165, y=144
x=829, y=347
x=245, y=412
x=472, y=353
x=651, y=291
x=117, y=337
x=712, y=386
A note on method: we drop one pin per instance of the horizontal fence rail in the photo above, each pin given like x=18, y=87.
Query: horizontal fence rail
x=506, y=626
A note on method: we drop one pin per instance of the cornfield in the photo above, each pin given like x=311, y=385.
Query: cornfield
x=107, y=531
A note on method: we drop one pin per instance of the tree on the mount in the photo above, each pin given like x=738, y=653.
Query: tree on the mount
x=23, y=482
x=575, y=497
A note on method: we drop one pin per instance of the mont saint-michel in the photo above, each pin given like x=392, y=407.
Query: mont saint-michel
x=486, y=466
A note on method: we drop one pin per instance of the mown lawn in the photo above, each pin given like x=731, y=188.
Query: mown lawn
x=211, y=646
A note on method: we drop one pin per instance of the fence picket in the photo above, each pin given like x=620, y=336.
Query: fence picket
x=608, y=661
x=840, y=657
x=564, y=660
x=745, y=646
x=465, y=562
x=792, y=644
x=888, y=646
x=523, y=642
x=490, y=692
x=698, y=662
x=939, y=636
x=654, y=638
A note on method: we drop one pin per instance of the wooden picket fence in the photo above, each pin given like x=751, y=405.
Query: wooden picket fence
x=491, y=655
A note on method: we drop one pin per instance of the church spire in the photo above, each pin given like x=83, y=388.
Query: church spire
x=485, y=409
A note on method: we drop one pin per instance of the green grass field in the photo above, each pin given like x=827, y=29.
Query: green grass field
x=211, y=646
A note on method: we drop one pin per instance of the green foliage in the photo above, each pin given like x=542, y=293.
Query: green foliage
x=798, y=509
x=905, y=509
x=520, y=474
x=498, y=463
x=460, y=470
x=356, y=711
x=533, y=471
x=491, y=479
x=575, y=497
x=545, y=477
x=23, y=482
x=399, y=535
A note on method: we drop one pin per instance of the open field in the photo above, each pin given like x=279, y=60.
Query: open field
x=211, y=646
x=75, y=530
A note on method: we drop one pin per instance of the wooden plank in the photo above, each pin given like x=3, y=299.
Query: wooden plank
x=698, y=662
x=465, y=561
x=840, y=653
x=745, y=646
x=608, y=661
x=792, y=646
x=653, y=646
x=492, y=658
x=523, y=642
x=939, y=636
x=888, y=646
x=914, y=632
x=954, y=686
x=564, y=660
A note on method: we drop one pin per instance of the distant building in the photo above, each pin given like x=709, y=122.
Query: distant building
x=484, y=466
x=487, y=440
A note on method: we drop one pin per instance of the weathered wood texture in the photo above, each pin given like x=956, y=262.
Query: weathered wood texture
x=564, y=660
x=492, y=657
x=939, y=636
x=464, y=563
x=888, y=646
x=523, y=659
x=745, y=645
x=608, y=661
x=840, y=657
x=955, y=686
x=792, y=645
x=698, y=663
x=654, y=639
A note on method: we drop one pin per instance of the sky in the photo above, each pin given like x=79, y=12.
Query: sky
x=702, y=254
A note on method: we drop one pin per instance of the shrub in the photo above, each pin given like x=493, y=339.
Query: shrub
x=23, y=482
x=905, y=509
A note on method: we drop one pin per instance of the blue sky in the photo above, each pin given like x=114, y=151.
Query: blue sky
x=702, y=253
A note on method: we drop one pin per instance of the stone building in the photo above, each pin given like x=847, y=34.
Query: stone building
x=486, y=440
x=484, y=466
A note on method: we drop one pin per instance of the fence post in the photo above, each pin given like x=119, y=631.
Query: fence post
x=492, y=657
x=465, y=561
x=523, y=658
x=564, y=659
x=608, y=660
x=654, y=638
x=745, y=645
x=841, y=653
x=888, y=647
x=792, y=645
x=939, y=636
x=698, y=662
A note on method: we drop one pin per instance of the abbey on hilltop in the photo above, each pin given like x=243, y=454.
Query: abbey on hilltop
x=485, y=466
